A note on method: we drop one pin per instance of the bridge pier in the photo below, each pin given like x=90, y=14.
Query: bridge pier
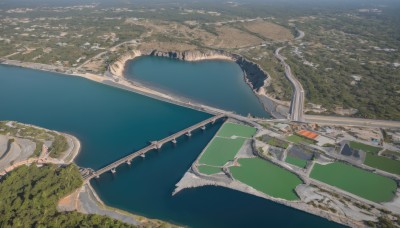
x=158, y=146
x=152, y=145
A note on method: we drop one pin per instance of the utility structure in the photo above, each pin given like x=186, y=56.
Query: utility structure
x=153, y=145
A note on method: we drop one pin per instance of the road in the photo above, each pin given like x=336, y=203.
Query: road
x=350, y=121
x=104, y=52
x=297, y=104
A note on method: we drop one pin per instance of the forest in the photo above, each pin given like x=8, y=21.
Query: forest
x=29, y=196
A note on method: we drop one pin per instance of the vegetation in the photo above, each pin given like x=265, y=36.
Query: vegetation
x=383, y=222
x=383, y=163
x=38, y=149
x=232, y=129
x=364, y=147
x=224, y=146
x=278, y=143
x=350, y=59
x=38, y=136
x=391, y=154
x=58, y=146
x=209, y=170
x=296, y=161
x=31, y=201
x=299, y=139
x=356, y=181
x=267, y=178
x=220, y=151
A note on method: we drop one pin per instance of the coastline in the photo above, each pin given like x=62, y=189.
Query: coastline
x=131, y=86
x=68, y=157
x=114, y=76
x=192, y=180
x=85, y=200
x=277, y=109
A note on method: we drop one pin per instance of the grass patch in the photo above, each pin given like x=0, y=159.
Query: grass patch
x=364, y=147
x=267, y=178
x=392, y=154
x=277, y=143
x=355, y=180
x=299, y=139
x=383, y=163
x=221, y=150
x=58, y=146
x=38, y=149
x=208, y=170
x=231, y=129
x=296, y=161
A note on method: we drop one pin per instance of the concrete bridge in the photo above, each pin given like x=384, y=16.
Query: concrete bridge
x=89, y=174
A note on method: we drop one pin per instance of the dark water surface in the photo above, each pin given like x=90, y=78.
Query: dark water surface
x=216, y=83
x=112, y=123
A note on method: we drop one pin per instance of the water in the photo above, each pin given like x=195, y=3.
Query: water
x=215, y=83
x=112, y=123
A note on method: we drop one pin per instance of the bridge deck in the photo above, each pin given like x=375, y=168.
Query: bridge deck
x=154, y=145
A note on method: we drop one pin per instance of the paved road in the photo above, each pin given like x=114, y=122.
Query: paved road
x=349, y=121
x=297, y=104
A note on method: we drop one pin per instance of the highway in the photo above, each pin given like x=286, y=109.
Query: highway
x=350, y=121
x=297, y=105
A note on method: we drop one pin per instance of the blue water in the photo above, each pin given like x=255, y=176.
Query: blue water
x=112, y=123
x=215, y=83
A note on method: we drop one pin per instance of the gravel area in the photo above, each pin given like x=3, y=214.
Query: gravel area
x=3, y=144
x=246, y=150
x=344, y=208
x=299, y=152
x=88, y=204
x=20, y=150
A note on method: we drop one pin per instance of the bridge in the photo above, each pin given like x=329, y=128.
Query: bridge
x=89, y=174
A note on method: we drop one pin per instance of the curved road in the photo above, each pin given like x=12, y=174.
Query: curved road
x=297, y=104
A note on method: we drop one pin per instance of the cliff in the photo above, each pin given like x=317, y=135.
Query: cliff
x=254, y=75
x=191, y=55
x=117, y=67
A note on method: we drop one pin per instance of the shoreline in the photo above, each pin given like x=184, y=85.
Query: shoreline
x=86, y=201
x=138, y=89
x=68, y=157
x=276, y=109
x=310, y=190
x=191, y=180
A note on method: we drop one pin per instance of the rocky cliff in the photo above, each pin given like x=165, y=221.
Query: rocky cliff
x=191, y=55
x=117, y=67
x=254, y=75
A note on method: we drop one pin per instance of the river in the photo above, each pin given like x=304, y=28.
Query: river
x=111, y=123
